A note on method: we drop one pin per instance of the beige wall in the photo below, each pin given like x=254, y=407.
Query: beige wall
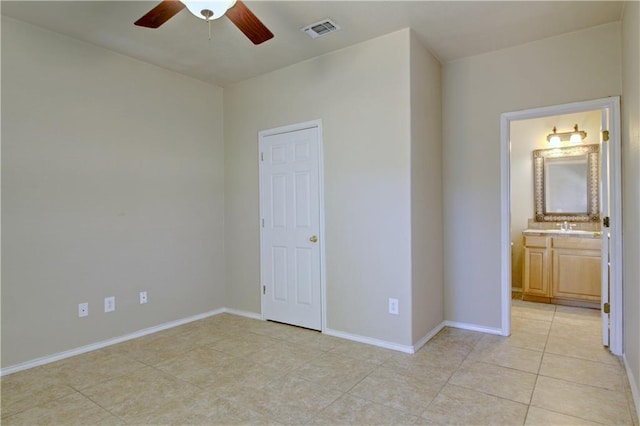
x=476, y=90
x=631, y=189
x=365, y=107
x=111, y=185
x=527, y=136
x=427, y=297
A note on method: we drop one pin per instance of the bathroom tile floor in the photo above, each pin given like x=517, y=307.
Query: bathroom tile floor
x=229, y=370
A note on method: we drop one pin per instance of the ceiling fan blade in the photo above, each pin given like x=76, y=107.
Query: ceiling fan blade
x=160, y=14
x=249, y=23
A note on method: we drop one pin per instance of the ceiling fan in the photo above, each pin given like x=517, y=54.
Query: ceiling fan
x=235, y=10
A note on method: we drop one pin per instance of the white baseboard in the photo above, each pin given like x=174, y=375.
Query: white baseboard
x=420, y=343
x=99, y=345
x=385, y=344
x=245, y=314
x=473, y=327
x=370, y=341
x=634, y=386
x=348, y=336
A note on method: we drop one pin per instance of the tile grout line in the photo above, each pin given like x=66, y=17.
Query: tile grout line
x=100, y=405
x=544, y=351
x=448, y=382
x=539, y=374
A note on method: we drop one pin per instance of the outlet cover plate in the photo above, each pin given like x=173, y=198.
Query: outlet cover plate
x=110, y=304
x=83, y=310
x=393, y=306
x=143, y=297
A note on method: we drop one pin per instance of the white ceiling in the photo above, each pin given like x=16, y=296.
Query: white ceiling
x=449, y=29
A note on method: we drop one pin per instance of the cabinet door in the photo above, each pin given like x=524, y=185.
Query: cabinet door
x=576, y=274
x=536, y=278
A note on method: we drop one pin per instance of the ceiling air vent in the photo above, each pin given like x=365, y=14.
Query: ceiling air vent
x=321, y=28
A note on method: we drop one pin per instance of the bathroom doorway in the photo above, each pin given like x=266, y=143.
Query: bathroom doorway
x=556, y=254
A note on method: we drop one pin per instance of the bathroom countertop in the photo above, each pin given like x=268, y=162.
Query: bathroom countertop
x=560, y=233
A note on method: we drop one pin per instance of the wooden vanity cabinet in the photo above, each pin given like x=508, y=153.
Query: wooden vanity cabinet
x=576, y=269
x=536, y=267
x=563, y=270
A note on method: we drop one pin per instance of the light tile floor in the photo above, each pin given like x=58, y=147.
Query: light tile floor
x=228, y=369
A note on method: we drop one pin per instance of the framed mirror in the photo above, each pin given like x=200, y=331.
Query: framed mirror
x=565, y=184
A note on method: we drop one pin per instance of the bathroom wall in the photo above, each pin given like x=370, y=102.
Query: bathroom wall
x=527, y=136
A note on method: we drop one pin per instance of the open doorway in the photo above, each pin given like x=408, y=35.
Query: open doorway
x=556, y=254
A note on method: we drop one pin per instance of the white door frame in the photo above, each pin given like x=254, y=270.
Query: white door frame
x=615, y=184
x=287, y=129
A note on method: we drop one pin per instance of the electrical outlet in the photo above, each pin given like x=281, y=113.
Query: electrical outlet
x=83, y=309
x=393, y=306
x=110, y=304
x=143, y=297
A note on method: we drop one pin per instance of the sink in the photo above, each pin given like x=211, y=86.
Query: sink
x=560, y=232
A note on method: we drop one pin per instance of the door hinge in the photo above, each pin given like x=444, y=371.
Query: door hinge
x=605, y=135
x=606, y=308
x=262, y=220
x=605, y=222
x=262, y=156
x=264, y=289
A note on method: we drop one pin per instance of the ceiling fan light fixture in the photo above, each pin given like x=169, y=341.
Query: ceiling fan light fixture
x=209, y=10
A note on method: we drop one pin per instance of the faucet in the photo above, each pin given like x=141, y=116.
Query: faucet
x=566, y=226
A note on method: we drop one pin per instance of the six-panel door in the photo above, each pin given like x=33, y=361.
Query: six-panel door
x=290, y=252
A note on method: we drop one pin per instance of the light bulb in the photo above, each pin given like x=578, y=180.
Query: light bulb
x=576, y=139
x=554, y=142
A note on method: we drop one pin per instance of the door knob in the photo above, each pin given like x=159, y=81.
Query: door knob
x=313, y=239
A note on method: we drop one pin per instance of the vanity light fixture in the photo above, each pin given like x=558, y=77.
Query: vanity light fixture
x=574, y=138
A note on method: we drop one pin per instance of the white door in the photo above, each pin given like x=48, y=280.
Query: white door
x=605, y=205
x=290, y=232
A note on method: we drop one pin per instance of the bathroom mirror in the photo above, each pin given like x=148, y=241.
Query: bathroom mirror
x=566, y=184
